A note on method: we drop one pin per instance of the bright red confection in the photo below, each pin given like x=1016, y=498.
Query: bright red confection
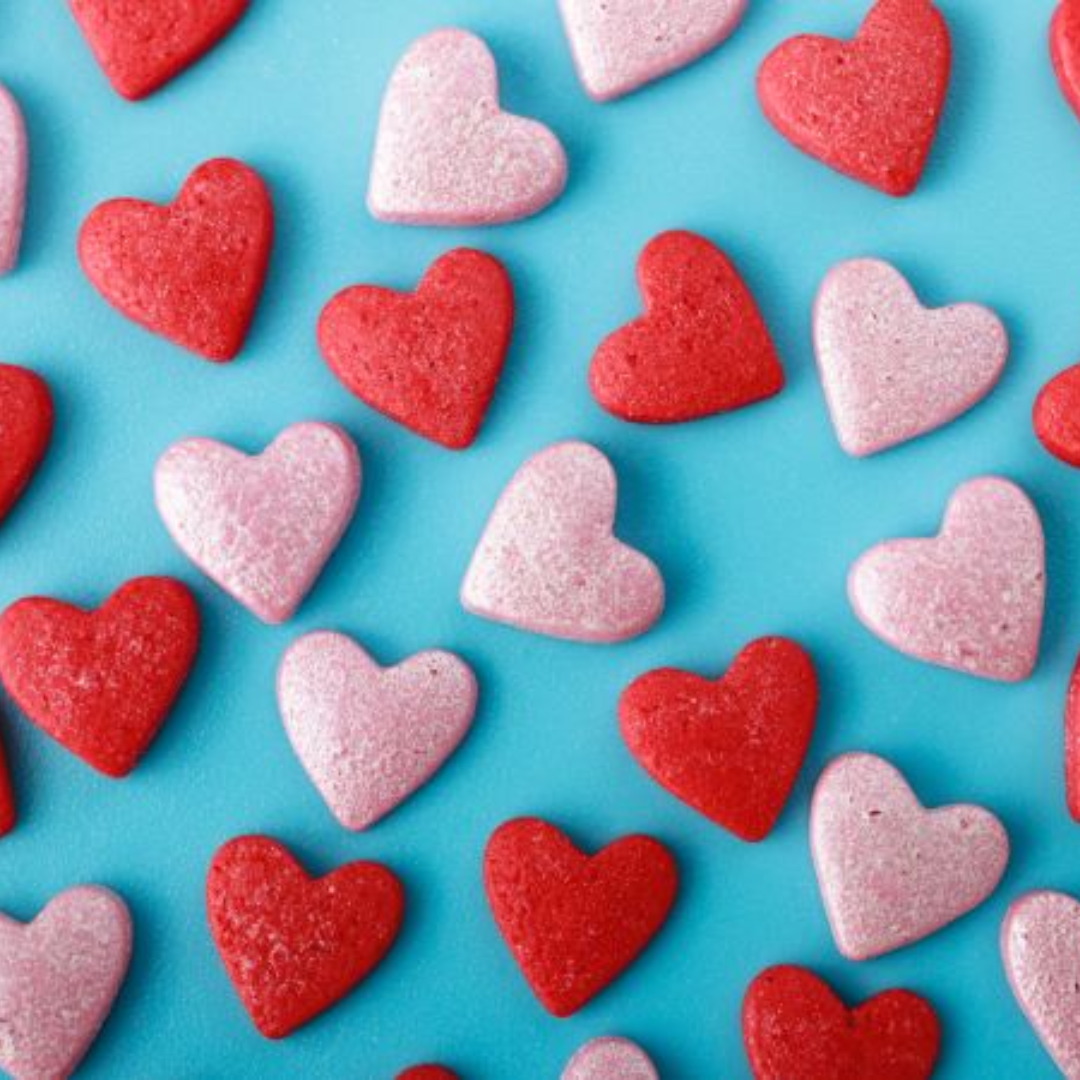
x=1072, y=743
x=1057, y=416
x=101, y=682
x=8, y=814
x=428, y=1072
x=26, y=424
x=1065, y=50
x=191, y=271
x=731, y=748
x=869, y=107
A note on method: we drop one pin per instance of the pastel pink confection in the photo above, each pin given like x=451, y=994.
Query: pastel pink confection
x=59, y=976
x=890, y=871
x=1040, y=947
x=619, y=47
x=548, y=560
x=14, y=158
x=369, y=736
x=892, y=369
x=446, y=154
x=262, y=527
x=610, y=1058
x=972, y=597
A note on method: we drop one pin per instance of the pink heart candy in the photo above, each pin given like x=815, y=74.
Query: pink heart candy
x=548, y=560
x=446, y=154
x=890, y=871
x=59, y=976
x=369, y=736
x=972, y=597
x=261, y=527
x=892, y=369
x=618, y=47
x=14, y=155
x=610, y=1058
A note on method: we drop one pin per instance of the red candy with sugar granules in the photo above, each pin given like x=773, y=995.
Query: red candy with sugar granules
x=26, y=424
x=1056, y=416
x=428, y=1072
x=1072, y=743
x=8, y=813
x=1065, y=50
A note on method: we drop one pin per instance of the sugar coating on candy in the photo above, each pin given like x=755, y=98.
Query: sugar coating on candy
x=26, y=425
x=8, y=810
x=1056, y=416
x=446, y=154
x=191, y=271
x=262, y=527
x=431, y=359
x=14, y=165
x=1065, y=50
x=428, y=1072
x=892, y=872
x=1072, y=743
x=972, y=597
x=610, y=1058
x=59, y=976
x=548, y=560
x=619, y=47
x=369, y=736
x=893, y=370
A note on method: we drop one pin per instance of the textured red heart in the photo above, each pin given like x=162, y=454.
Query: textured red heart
x=101, y=682
x=428, y=1072
x=574, y=922
x=1065, y=50
x=191, y=271
x=796, y=1028
x=1057, y=415
x=430, y=359
x=869, y=108
x=731, y=748
x=26, y=423
x=294, y=945
x=1072, y=743
x=701, y=347
x=141, y=44
x=8, y=814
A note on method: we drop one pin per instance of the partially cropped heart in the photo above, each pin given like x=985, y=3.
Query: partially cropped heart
x=575, y=922
x=610, y=1058
x=548, y=561
x=1065, y=50
x=731, y=748
x=890, y=871
x=370, y=736
x=8, y=810
x=262, y=527
x=446, y=154
x=1057, y=416
x=893, y=370
x=431, y=359
x=26, y=424
x=971, y=598
x=14, y=164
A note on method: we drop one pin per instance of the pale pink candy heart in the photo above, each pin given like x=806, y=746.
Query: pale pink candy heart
x=446, y=154
x=14, y=156
x=890, y=871
x=972, y=597
x=59, y=976
x=369, y=736
x=620, y=46
x=610, y=1058
x=892, y=369
x=548, y=560
x=261, y=527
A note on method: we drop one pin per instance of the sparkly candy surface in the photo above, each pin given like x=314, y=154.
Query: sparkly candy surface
x=1072, y=743
x=890, y=871
x=1065, y=50
x=428, y=1072
x=14, y=165
x=1056, y=416
x=893, y=370
x=972, y=597
x=446, y=154
x=26, y=425
x=610, y=1058
x=8, y=810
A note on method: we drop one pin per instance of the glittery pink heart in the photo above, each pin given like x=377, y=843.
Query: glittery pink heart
x=446, y=154
x=262, y=527
x=370, y=736
x=13, y=168
x=619, y=47
x=610, y=1058
x=892, y=369
x=548, y=560
x=972, y=597
x=59, y=976
x=890, y=871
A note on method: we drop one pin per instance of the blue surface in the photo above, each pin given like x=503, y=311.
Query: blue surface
x=754, y=518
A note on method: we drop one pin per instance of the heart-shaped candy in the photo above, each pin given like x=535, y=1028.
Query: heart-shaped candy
x=870, y=107
x=1072, y=743
x=191, y=271
x=1057, y=415
x=26, y=424
x=14, y=165
x=428, y=1072
x=890, y=871
x=262, y=527
x=59, y=976
x=548, y=561
x=893, y=370
x=430, y=359
x=610, y=1058
x=1065, y=50
x=972, y=597
x=8, y=811
x=446, y=154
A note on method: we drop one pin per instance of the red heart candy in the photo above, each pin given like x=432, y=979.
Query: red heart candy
x=191, y=271
x=1057, y=415
x=1072, y=743
x=26, y=423
x=732, y=749
x=796, y=1028
x=101, y=682
x=428, y=1072
x=701, y=347
x=574, y=922
x=294, y=945
x=869, y=107
x=430, y=359
x=1065, y=50
x=141, y=44
x=8, y=814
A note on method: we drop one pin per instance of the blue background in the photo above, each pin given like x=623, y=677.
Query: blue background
x=754, y=518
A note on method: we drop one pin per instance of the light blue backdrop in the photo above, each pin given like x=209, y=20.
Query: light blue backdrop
x=754, y=517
